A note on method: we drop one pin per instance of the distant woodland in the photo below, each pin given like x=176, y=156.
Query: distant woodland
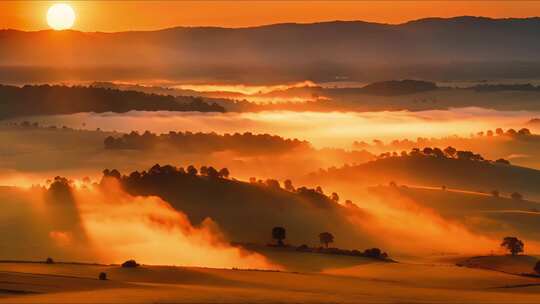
x=206, y=142
x=50, y=100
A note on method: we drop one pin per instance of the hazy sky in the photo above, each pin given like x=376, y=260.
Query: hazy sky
x=148, y=15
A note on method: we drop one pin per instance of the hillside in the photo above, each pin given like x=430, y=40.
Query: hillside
x=259, y=205
x=494, y=48
x=417, y=168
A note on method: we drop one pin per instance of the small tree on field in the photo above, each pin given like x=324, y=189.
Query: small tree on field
x=279, y=234
x=326, y=238
x=512, y=244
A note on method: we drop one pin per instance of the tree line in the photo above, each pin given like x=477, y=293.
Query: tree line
x=447, y=153
x=206, y=142
x=58, y=99
x=325, y=238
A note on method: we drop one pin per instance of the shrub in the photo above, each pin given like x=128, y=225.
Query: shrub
x=130, y=264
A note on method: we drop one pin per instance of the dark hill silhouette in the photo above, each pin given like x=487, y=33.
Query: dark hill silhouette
x=428, y=48
x=46, y=99
x=246, y=212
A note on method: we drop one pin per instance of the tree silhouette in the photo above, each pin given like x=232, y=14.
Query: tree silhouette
x=130, y=264
x=326, y=238
x=288, y=185
x=224, y=173
x=192, y=170
x=102, y=276
x=335, y=197
x=279, y=234
x=212, y=172
x=375, y=253
x=512, y=244
x=272, y=183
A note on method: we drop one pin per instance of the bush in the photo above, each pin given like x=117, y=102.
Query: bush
x=375, y=253
x=49, y=261
x=130, y=264
x=102, y=276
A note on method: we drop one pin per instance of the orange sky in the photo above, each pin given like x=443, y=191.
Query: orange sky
x=147, y=15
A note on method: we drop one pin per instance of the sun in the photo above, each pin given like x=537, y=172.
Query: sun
x=60, y=16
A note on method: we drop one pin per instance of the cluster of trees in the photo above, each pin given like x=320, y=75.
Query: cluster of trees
x=447, y=153
x=205, y=142
x=424, y=141
x=46, y=99
x=168, y=170
x=509, y=132
x=313, y=194
x=325, y=238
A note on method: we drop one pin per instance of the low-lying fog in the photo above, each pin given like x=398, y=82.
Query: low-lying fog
x=335, y=129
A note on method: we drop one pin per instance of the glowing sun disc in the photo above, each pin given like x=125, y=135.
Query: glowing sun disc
x=60, y=16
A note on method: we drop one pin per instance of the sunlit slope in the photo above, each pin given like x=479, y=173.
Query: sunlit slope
x=481, y=213
x=374, y=283
x=33, y=223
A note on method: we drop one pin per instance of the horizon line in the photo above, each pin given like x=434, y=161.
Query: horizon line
x=276, y=24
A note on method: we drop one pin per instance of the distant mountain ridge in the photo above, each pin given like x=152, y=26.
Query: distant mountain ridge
x=461, y=47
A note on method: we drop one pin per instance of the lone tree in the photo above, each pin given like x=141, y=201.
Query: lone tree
x=513, y=244
x=326, y=238
x=102, y=276
x=279, y=234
